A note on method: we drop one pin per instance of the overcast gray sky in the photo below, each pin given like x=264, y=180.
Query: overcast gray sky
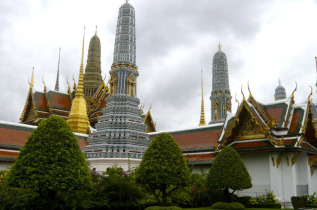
x=264, y=41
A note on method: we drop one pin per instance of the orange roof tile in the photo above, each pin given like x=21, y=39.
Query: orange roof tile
x=274, y=113
x=40, y=101
x=60, y=101
x=8, y=154
x=200, y=157
x=294, y=121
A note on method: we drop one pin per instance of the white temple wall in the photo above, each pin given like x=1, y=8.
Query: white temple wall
x=312, y=180
x=259, y=170
x=5, y=165
x=201, y=169
x=288, y=181
x=101, y=164
x=275, y=176
x=302, y=173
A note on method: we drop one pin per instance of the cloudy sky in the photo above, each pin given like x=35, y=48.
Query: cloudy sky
x=264, y=41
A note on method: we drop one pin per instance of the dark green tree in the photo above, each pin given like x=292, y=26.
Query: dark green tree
x=51, y=161
x=163, y=168
x=228, y=171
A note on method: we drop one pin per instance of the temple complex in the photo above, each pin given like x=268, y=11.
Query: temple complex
x=277, y=141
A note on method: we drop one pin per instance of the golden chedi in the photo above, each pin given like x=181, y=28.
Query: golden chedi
x=78, y=118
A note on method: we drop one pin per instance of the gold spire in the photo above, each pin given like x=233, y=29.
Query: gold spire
x=32, y=79
x=78, y=118
x=202, y=112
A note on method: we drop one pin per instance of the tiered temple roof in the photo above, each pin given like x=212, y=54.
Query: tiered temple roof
x=281, y=126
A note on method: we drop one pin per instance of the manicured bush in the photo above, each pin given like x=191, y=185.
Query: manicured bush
x=267, y=205
x=228, y=172
x=299, y=201
x=224, y=205
x=236, y=205
x=220, y=205
x=163, y=168
x=163, y=208
x=51, y=162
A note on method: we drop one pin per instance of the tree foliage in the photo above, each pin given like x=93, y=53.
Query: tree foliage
x=163, y=168
x=116, y=189
x=51, y=161
x=228, y=171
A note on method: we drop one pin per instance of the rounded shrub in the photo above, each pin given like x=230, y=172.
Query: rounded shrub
x=220, y=205
x=163, y=208
x=224, y=205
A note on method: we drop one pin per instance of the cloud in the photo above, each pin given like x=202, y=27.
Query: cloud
x=263, y=41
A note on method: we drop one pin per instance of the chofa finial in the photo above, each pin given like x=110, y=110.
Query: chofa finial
x=294, y=90
x=250, y=94
x=242, y=95
x=311, y=93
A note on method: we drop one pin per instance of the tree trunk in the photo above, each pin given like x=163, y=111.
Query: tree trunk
x=164, y=195
x=227, y=194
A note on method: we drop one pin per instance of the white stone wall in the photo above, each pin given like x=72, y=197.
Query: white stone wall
x=101, y=164
x=5, y=165
x=259, y=170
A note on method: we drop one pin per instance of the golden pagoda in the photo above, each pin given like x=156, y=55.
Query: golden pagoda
x=78, y=118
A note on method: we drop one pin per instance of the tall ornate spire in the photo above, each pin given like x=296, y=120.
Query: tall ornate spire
x=57, y=77
x=220, y=94
x=121, y=130
x=202, y=112
x=92, y=76
x=78, y=118
x=125, y=48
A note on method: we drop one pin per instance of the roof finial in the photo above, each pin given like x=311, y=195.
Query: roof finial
x=44, y=84
x=74, y=86
x=242, y=95
x=294, y=90
x=250, y=94
x=279, y=82
x=219, y=46
x=311, y=93
x=57, y=77
x=68, y=88
x=96, y=31
x=32, y=79
x=127, y=1
x=202, y=112
x=237, y=100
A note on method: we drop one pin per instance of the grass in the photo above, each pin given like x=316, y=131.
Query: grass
x=206, y=208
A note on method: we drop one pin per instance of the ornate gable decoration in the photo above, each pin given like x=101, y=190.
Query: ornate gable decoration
x=309, y=131
x=29, y=111
x=246, y=126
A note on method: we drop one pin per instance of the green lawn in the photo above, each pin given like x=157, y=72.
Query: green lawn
x=205, y=208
